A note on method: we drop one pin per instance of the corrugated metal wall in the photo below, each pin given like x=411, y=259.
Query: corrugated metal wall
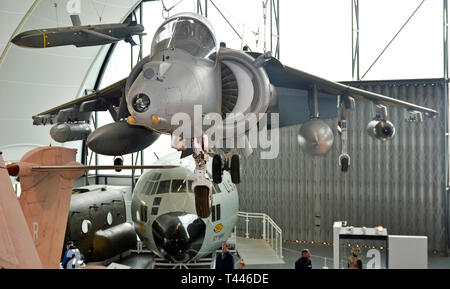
x=399, y=184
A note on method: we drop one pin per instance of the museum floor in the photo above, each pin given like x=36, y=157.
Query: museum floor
x=321, y=256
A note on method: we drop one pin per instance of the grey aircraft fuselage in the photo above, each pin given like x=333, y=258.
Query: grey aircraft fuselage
x=186, y=69
x=87, y=35
x=97, y=223
x=164, y=214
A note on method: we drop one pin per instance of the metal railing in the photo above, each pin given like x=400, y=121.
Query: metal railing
x=267, y=230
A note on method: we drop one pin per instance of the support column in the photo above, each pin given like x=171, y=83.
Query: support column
x=355, y=42
x=447, y=125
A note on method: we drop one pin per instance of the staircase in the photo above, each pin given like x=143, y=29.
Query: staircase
x=258, y=239
x=207, y=262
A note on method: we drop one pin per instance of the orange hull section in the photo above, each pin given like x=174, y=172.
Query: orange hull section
x=45, y=200
x=17, y=250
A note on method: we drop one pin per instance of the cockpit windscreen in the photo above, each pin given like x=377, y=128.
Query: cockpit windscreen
x=184, y=33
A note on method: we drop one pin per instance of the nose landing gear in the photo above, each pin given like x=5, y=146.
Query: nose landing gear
x=202, y=187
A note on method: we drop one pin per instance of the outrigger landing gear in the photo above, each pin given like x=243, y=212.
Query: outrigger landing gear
x=345, y=103
x=218, y=167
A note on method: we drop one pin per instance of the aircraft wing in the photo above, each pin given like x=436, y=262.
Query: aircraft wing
x=101, y=35
x=293, y=85
x=111, y=98
x=359, y=94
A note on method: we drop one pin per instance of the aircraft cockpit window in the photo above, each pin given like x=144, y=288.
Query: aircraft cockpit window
x=143, y=214
x=154, y=176
x=146, y=188
x=184, y=33
x=157, y=201
x=179, y=186
x=153, y=188
x=189, y=188
x=216, y=189
x=164, y=187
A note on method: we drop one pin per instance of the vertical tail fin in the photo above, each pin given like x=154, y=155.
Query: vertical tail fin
x=45, y=200
x=75, y=20
x=17, y=249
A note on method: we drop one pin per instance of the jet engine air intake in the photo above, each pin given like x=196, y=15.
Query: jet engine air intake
x=245, y=90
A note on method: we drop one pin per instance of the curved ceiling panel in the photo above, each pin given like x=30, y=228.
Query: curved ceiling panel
x=33, y=80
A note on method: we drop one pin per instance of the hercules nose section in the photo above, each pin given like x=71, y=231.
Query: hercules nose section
x=178, y=235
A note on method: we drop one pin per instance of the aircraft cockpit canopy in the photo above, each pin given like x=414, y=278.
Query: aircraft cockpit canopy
x=188, y=34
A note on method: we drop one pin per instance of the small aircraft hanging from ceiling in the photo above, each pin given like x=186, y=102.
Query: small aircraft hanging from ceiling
x=79, y=35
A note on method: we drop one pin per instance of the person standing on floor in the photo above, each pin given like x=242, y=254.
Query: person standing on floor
x=304, y=263
x=224, y=260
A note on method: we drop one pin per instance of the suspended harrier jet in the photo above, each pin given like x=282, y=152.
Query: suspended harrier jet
x=188, y=82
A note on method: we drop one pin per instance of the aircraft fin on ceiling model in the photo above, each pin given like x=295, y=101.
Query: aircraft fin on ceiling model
x=76, y=21
x=45, y=200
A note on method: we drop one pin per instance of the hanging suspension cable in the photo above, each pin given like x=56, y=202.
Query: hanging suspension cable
x=264, y=2
x=255, y=33
x=55, y=4
x=96, y=10
x=165, y=9
x=220, y=12
x=393, y=38
x=232, y=27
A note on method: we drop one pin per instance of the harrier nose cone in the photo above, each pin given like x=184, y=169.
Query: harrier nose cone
x=315, y=137
x=179, y=235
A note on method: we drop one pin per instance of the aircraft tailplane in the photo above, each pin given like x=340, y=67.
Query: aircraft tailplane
x=17, y=250
x=45, y=199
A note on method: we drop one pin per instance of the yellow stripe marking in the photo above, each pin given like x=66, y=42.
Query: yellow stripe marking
x=43, y=36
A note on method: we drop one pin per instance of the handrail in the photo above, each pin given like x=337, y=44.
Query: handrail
x=271, y=232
